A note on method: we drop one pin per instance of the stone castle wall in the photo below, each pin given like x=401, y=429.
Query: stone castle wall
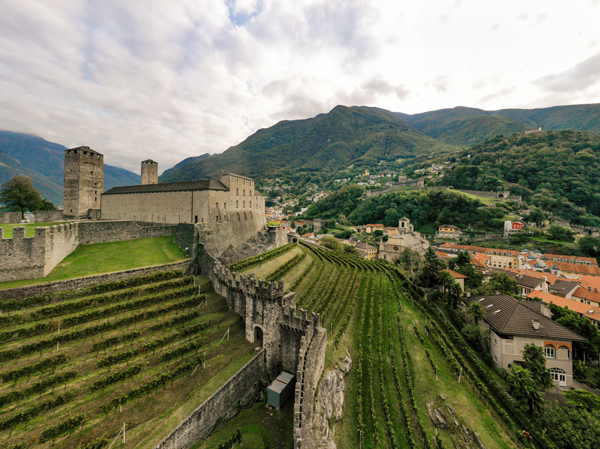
x=242, y=388
x=49, y=216
x=10, y=217
x=292, y=343
x=30, y=258
x=51, y=288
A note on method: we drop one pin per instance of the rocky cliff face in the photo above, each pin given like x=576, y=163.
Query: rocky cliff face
x=329, y=404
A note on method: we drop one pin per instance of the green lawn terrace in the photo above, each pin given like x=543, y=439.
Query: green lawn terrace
x=406, y=356
x=144, y=352
x=101, y=258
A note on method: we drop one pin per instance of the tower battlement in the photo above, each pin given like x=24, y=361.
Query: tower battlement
x=84, y=181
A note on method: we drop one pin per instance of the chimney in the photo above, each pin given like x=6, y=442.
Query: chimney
x=545, y=310
x=468, y=293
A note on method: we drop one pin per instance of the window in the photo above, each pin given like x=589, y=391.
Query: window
x=225, y=206
x=244, y=192
x=217, y=218
x=244, y=204
x=250, y=205
x=237, y=192
x=217, y=204
x=195, y=218
x=238, y=216
x=550, y=352
x=250, y=215
x=237, y=206
x=495, y=341
x=245, y=216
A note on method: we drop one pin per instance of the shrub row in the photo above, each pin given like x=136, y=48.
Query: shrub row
x=113, y=341
x=40, y=300
x=286, y=267
x=117, y=377
x=66, y=426
x=156, y=383
x=32, y=412
x=260, y=258
x=40, y=367
x=37, y=388
x=182, y=350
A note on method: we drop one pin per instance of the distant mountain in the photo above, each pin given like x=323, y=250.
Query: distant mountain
x=327, y=142
x=470, y=126
x=185, y=162
x=43, y=162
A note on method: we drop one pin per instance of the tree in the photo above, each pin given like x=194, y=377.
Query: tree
x=556, y=232
x=331, y=243
x=293, y=225
x=349, y=249
x=524, y=389
x=536, y=365
x=19, y=195
x=476, y=311
x=500, y=282
x=409, y=260
x=536, y=216
x=590, y=246
x=580, y=325
x=430, y=272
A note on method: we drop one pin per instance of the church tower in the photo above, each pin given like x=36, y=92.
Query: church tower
x=84, y=181
x=149, y=172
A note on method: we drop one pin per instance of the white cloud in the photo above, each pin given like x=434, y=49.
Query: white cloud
x=169, y=80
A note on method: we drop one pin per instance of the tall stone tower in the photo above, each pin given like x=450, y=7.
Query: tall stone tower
x=149, y=172
x=84, y=181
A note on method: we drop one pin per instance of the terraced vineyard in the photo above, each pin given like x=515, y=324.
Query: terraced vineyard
x=406, y=358
x=78, y=366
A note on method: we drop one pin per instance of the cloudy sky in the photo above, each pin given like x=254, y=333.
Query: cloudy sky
x=171, y=79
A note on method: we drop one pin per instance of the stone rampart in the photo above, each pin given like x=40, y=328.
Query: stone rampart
x=292, y=343
x=117, y=231
x=219, y=236
x=241, y=388
x=500, y=195
x=10, y=217
x=28, y=258
x=49, y=216
x=88, y=281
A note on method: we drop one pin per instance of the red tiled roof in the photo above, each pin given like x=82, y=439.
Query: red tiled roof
x=443, y=255
x=584, y=293
x=588, y=311
x=455, y=274
x=578, y=268
x=378, y=225
x=536, y=274
x=475, y=249
x=572, y=259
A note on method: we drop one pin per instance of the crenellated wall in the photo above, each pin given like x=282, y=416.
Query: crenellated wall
x=292, y=343
x=49, y=216
x=28, y=258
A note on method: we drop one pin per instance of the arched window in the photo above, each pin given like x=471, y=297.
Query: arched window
x=217, y=218
x=238, y=216
x=244, y=192
x=244, y=204
x=245, y=216
x=250, y=205
x=250, y=215
x=237, y=205
x=563, y=353
x=550, y=352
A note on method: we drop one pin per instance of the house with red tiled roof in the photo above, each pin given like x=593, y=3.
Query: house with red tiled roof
x=572, y=270
x=572, y=259
x=480, y=260
x=459, y=278
x=588, y=311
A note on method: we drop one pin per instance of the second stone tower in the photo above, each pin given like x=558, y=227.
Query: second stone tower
x=149, y=172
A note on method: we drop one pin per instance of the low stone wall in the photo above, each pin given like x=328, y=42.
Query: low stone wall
x=74, y=284
x=240, y=388
x=10, y=217
x=49, y=216
x=116, y=231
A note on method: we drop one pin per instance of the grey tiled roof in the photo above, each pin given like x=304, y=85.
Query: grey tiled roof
x=563, y=287
x=203, y=184
x=508, y=316
x=522, y=279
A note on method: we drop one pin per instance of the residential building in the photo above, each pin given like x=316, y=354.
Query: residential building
x=449, y=232
x=459, y=278
x=590, y=312
x=512, y=324
x=366, y=251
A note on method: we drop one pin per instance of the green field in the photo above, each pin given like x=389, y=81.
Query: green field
x=405, y=356
x=146, y=352
x=29, y=228
x=101, y=258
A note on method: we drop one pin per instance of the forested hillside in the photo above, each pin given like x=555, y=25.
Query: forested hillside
x=327, y=142
x=469, y=126
x=423, y=208
x=557, y=171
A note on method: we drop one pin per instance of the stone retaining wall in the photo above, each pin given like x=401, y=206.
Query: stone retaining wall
x=241, y=388
x=74, y=284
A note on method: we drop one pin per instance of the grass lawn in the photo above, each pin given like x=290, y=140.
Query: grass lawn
x=29, y=228
x=262, y=427
x=480, y=198
x=100, y=258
